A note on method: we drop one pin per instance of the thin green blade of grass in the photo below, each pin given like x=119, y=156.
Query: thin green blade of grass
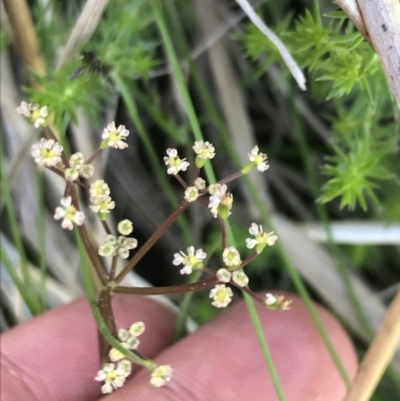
x=193, y=120
x=134, y=115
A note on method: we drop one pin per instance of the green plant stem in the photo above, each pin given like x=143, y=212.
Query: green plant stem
x=42, y=239
x=28, y=287
x=154, y=159
x=101, y=325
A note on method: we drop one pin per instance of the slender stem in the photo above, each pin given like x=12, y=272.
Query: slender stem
x=230, y=178
x=151, y=241
x=249, y=259
x=113, y=267
x=94, y=155
x=223, y=233
x=181, y=180
x=171, y=289
x=86, y=241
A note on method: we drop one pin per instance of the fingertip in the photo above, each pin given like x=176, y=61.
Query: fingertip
x=222, y=360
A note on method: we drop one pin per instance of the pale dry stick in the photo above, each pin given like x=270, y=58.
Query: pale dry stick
x=379, y=22
x=83, y=29
x=378, y=356
x=350, y=7
x=24, y=35
x=286, y=56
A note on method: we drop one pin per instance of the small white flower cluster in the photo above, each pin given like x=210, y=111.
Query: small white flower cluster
x=69, y=214
x=277, y=302
x=261, y=240
x=34, y=112
x=114, y=137
x=114, y=374
x=174, y=162
x=47, y=152
x=192, y=193
x=258, y=159
x=220, y=200
x=204, y=151
x=77, y=167
x=161, y=375
x=192, y=261
x=120, y=246
x=232, y=270
x=100, y=196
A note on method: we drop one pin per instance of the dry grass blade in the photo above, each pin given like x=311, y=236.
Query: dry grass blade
x=24, y=34
x=230, y=94
x=378, y=356
x=83, y=29
x=382, y=19
x=286, y=56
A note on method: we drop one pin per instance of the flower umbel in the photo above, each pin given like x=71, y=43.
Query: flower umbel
x=99, y=195
x=69, y=214
x=174, y=162
x=261, y=240
x=204, y=151
x=221, y=295
x=114, y=376
x=258, y=159
x=220, y=201
x=120, y=246
x=192, y=261
x=34, y=112
x=114, y=137
x=231, y=257
x=161, y=375
x=47, y=152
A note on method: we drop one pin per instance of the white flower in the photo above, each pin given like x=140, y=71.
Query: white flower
x=174, y=162
x=125, y=245
x=98, y=191
x=125, y=227
x=161, y=375
x=220, y=201
x=34, y=112
x=121, y=246
x=240, y=278
x=86, y=171
x=113, y=377
x=224, y=275
x=192, y=261
x=261, y=240
x=279, y=302
x=47, y=152
x=259, y=159
x=191, y=194
x=114, y=137
x=204, y=151
x=231, y=257
x=199, y=183
x=221, y=295
x=69, y=214
x=78, y=168
x=137, y=329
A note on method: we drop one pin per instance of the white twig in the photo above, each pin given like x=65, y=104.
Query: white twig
x=287, y=58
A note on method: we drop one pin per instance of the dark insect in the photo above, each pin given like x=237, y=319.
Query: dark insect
x=91, y=64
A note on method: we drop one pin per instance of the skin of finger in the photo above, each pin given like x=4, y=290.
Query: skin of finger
x=54, y=357
x=222, y=361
